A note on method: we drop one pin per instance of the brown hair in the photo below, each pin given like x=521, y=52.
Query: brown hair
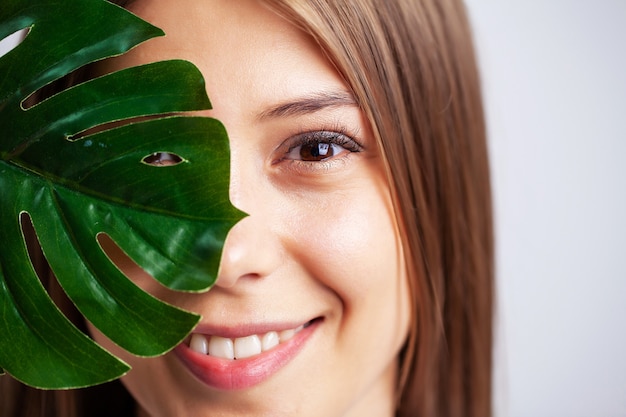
x=411, y=66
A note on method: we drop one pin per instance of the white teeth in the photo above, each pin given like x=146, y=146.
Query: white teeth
x=269, y=340
x=221, y=347
x=199, y=344
x=241, y=347
x=287, y=334
x=247, y=346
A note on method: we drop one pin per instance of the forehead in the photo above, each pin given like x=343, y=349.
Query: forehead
x=248, y=54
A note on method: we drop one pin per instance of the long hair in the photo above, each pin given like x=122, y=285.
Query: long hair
x=411, y=66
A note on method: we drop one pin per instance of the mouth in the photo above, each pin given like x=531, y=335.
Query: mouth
x=242, y=347
x=238, y=361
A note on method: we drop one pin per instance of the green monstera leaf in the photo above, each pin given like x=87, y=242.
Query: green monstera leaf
x=75, y=184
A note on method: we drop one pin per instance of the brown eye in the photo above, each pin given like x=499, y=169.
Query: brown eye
x=162, y=159
x=319, y=146
x=316, y=151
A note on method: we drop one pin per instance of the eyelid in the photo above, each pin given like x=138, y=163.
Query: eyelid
x=337, y=137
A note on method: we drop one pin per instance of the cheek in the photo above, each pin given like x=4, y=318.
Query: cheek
x=349, y=244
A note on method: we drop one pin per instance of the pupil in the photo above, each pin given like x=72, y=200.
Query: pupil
x=316, y=151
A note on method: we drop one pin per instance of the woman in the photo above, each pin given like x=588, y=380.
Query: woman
x=360, y=284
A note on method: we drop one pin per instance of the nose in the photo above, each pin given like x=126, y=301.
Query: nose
x=250, y=252
x=252, y=249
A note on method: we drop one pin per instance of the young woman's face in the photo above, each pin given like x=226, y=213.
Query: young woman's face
x=318, y=255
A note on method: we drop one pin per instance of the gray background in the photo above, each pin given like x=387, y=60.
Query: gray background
x=555, y=89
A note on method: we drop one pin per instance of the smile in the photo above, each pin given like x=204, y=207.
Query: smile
x=241, y=347
x=242, y=361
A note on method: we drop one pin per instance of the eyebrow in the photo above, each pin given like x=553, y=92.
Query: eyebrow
x=309, y=104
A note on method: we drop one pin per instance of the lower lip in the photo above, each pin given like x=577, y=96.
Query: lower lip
x=229, y=375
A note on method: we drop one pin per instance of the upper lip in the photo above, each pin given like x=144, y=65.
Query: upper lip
x=242, y=330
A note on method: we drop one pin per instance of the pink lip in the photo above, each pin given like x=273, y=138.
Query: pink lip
x=238, y=374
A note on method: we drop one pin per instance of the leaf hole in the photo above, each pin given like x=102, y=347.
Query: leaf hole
x=101, y=128
x=120, y=258
x=40, y=264
x=116, y=255
x=114, y=124
x=45, y=274
x=162, y=159
x=57, y=86
x=12, y=41
x=79, y=75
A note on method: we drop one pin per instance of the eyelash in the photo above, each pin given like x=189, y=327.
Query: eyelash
x=336, y=136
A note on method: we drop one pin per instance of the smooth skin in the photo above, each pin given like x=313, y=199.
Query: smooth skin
x=320, y=241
